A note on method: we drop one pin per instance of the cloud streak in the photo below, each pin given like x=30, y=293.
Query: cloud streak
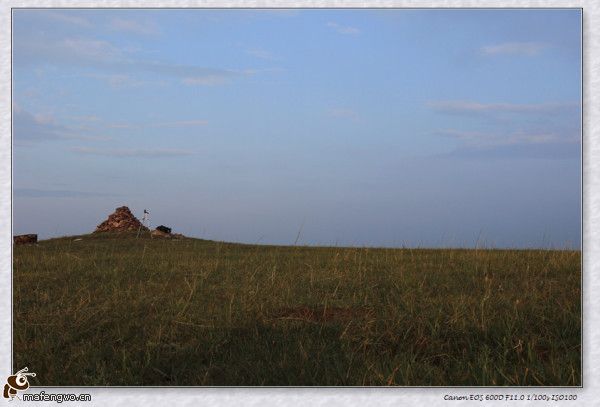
x=90, y=50
x=115, y=81
x=207, y=80
x=143, y=28
x=260, y=54
x=542, y=130
x=173, y=124
x=514, y=48
x=548, y=151
x=116, y=64
x=475, y=108
x=189, y=74
x=480, y=139
x=43, y=127
x=125, y=126
x=343, y=29
x=67, y=18
x=44, y=193
x=142, y=153
x=181, y=123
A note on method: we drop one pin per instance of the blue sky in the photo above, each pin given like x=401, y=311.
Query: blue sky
x=413, y=128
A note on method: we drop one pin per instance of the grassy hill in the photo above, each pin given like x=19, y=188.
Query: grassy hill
x=115, y=310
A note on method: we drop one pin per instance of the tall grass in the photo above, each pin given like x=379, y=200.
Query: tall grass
x=108, y=310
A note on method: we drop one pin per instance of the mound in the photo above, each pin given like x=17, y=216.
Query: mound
x=121, y=220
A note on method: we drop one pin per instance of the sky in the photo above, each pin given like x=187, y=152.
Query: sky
x=392, y=128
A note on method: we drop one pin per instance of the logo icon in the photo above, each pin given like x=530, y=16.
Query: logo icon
x=17, y=382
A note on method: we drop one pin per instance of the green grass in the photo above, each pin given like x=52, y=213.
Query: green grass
x=110, y=310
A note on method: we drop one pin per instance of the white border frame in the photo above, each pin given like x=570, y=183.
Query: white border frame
x=589, y=394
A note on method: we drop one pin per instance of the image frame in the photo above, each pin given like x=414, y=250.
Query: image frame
x=298, y=394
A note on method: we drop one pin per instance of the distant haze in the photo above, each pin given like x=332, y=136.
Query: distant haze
x=418, y=128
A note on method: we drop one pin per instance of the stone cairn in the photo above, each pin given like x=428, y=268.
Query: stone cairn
x=121, y=220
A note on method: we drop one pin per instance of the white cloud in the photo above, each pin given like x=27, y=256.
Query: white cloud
x=514, y=48
x=28, y=127
x=68, y=18
x=70, y=51
x=260, y=53
x=134, y=26
x=538, y=130
x=117, y=65
x=89, y=49
x=342, y=29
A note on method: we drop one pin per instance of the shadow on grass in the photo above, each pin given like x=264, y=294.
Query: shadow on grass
x=258, y=356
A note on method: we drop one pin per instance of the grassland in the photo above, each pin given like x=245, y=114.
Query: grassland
x=109, y=310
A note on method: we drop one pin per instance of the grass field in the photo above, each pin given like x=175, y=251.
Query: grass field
x=108, y=310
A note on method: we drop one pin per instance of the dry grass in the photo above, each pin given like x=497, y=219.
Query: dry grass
x=123, y=311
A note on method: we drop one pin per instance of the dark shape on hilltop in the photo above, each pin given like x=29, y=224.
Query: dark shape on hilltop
x=160, y=233
x=165, y=232
x=25, y=239
x=121, y=220
x=164, y=229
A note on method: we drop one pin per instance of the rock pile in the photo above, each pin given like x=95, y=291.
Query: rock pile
x=121, y=220
x=25, y=239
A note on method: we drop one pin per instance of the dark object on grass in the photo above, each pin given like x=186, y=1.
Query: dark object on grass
x=159, y=233
x=25, y=239
x=163, y=229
